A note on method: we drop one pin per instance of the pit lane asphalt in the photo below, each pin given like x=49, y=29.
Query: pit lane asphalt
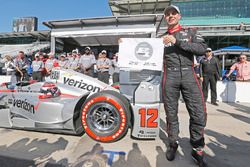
x=227, y=144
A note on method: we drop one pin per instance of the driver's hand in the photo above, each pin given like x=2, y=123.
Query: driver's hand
x=169, y=39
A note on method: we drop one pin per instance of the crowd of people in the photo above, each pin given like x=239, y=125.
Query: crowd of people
x=208, y=71
x=39, y=66
x=180, y=46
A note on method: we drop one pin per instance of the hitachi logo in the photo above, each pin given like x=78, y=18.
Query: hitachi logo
x=24, y=105
x=81, y=85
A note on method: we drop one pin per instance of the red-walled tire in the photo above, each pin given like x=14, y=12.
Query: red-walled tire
x=106, y=116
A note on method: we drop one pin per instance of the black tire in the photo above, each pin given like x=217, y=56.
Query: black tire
x=106, y=116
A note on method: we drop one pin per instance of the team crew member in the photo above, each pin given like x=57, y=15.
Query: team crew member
x=37, y=68
x=9, y=65
x=87, y=62
x=74, y=63
x=43, y=57
x=180, y=46
x=10, y=68
x=50, y=63
x=209, y=75
x=21, y=66
x=70, y=57
x=63, y=63
x=103, y=64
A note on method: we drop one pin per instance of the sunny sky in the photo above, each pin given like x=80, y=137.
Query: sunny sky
x=46, y=10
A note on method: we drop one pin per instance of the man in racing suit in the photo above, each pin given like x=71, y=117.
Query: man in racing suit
x=180, y=47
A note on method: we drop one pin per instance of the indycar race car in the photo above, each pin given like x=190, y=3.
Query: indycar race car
x=73, y=103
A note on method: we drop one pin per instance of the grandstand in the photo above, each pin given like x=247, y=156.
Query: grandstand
x=29, y=42
x=26, y=48
x=217, y=20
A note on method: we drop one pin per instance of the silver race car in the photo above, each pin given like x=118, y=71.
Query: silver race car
x=73, y=103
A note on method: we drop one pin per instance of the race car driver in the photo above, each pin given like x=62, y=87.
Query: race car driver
x=181, y=44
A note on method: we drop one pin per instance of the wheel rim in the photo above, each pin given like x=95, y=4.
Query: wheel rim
x=104, y=118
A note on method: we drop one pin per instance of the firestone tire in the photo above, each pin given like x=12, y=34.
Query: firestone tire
x=106, y=116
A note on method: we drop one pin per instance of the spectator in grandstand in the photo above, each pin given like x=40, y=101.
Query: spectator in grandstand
x=63, y=63
x=242, y=26
x=87, y=62
x=103, y=63
x=209, y=75
x=37, y=67
x=50, y=63
x=242, y=68
x=21, y=67
x=116, y=72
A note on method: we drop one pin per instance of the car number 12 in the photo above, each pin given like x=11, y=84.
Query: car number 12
x=149, y=117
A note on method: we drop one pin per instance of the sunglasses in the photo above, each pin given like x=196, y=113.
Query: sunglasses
x=242, y=58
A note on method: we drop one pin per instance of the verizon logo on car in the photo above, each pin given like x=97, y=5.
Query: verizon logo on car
x=80, y=84
x=23, y=104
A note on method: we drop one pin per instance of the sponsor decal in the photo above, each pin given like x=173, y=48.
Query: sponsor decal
x=55, y=75
x=112, y=154
x=68, y=74
x=142, y=134
x=143, y=51
x=80, y=84
x=23, y=104
x=28, y=91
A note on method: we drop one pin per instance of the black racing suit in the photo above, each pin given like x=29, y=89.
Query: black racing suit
x=179, y=76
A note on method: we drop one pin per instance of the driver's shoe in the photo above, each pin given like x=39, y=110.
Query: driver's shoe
x=198, y=156
x=170, y=154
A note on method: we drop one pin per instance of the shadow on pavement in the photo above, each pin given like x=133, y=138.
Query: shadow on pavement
x=236, y=116
x=93, y=158
x=97, y=157
x=135, y=158
x=229, y=151
x=30, y=152
x=240, y=107
x=121, y=162
x=227, y=95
